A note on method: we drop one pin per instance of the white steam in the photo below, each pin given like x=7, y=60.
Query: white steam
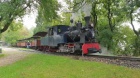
x=86, y=9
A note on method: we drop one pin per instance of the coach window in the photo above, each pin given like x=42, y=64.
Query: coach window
x=51, y=31
x=59, y=30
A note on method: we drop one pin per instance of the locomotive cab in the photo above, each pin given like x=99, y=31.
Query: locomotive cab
x=55, y=36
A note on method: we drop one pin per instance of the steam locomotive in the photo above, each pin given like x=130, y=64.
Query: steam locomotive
x=70, y=39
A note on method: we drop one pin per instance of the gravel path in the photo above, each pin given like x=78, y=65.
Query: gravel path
x=12, y=55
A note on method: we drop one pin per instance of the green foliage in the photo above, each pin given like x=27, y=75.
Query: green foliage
x=10, y=10
x=15, y=26
x=136, y=46
x=15, y=32
x=49, y=66
x=48, y=9
x=47, y=14
x=124, y=38
x=108, y=16
x=105, y=38
x=65, y=18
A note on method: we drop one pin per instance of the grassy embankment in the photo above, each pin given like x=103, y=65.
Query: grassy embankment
x=49, y=66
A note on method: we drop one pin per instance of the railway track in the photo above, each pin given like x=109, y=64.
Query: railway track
x=102, y=56
x=131, y=62
x=117, y=57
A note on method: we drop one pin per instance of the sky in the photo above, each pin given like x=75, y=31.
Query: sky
x=137, y=25
x=29, y=19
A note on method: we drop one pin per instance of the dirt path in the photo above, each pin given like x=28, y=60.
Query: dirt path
x=12, y=55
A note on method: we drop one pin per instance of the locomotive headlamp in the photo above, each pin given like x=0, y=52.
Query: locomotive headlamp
x=87, y=29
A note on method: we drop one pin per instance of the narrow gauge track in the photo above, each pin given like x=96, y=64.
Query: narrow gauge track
x=116, y=57
x=131, y=62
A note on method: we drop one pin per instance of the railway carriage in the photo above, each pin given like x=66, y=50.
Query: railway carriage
x=21, y=43
x=36, y=41
x=33, y=42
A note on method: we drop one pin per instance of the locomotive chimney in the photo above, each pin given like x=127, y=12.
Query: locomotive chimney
x=87, y=19
x=72, y=22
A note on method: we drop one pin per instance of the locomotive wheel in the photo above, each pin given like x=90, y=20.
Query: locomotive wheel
x=78, y=52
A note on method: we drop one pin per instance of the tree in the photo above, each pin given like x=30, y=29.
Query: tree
x=47, y=13
x=124, y=39
x=108, y=17
x=132, y=6
x=15, y=32
x=10, y=10
x=13, y=9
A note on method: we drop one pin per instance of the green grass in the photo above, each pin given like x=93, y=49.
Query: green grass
x=49, y=66
x=1, y=55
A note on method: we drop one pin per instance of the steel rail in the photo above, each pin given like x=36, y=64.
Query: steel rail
x=116, y=57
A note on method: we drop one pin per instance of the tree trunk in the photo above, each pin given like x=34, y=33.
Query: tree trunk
x=6, y=26
x=95, y=17
x=137, y=44
x=131, y=21
x=109, y=16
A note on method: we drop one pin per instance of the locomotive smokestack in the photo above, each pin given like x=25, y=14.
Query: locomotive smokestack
x=87, y=19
